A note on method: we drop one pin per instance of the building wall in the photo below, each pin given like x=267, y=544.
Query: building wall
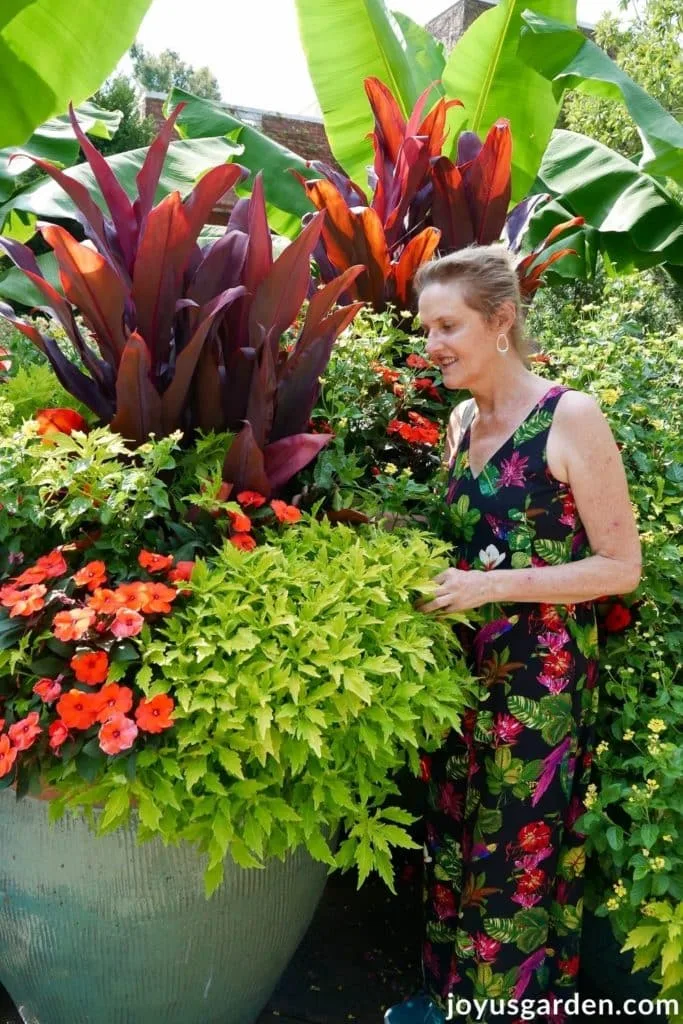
x=448, y=26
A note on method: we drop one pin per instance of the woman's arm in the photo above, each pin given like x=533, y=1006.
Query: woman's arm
x=596, y=475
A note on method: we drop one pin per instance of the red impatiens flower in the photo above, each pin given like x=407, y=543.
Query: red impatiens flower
x=104, y=601
x=251, y=499
x=25, y=732
x=284, y=512
x=90, y=667
x=113, y=699
x=240, y=522
x=243, y=541
x=47, y=689
x=618, y=618
x=92, y=576
x=23, y=602
x=155, y=715
x=78, y=710
x=426, y=384
x=420, y=431
x=59, y=421
x=157, y=598
x=127, y=623
x=8, y=755
x=416, y=362
x=73, y=624
x=118, y=733
x=388, y=375
x=46, y=567
x=182, y=571
x=58, y=734
x=153, y=562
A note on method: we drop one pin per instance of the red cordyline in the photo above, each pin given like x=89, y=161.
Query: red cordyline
x=422, y=203
x=188, y=337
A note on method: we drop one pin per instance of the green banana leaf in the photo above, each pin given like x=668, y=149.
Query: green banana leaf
x=427, y=52
x=55, y=141
x=629, y=215
x=485, y=71
x=56, y=51
x=185, y=163
x=570, y=61
x=17, y=289
x=345, y=42
x=286, y=199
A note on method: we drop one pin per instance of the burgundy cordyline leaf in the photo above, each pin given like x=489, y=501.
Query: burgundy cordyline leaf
x=488, y=184
x=353, y=194
x=120, y=206
x=206, y=402
x=240, y=365
x=260, y=251
x=412, y=169
x=517, y=220
x=92, y=285
x=390, y=125
x=244, y=464
x=469, y=147
x=263, y=383
x=239, y=216
x=418, y=251
x=450, y=209
x=147, y=179
x=221, y=266
x=322, y=301
x=138, y=403
x=286, y=457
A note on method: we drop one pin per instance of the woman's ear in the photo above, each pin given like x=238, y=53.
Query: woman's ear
x=505, y=316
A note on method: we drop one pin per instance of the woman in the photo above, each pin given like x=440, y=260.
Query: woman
x=542, y=525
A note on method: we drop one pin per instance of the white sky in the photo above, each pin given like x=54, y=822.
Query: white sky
x=253, y=47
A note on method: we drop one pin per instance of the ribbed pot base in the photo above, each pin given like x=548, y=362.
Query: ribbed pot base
x=99, y=930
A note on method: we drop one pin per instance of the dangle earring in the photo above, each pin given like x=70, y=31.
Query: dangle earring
x=507, y=344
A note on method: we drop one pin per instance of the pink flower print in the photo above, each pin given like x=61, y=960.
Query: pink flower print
x=512, y=471
x=507, y=728
x=452, y=980
x=557, y=390
x=562, y=891
x=527, y=899
x=554, y=641
x=531, y=860
x=591, y=674
x=450, y=801
x=554, y=684
x=486, y=949
x=443, y=900
x=538, y=562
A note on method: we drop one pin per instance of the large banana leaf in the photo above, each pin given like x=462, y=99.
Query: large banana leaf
x=285, y=198
x=347, y=41
x=55, y=141
x=629, y=215
x=185, y=163
x=17, y=289
x=485, y=71
x=570, y=61
x=427, y=52
x=56, y=51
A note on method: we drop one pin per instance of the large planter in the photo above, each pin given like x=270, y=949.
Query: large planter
x=100, y=930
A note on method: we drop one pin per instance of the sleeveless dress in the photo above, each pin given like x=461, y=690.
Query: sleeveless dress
x=504, y=865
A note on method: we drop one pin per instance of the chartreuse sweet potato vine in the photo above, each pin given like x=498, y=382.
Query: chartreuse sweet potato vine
x=303, y=679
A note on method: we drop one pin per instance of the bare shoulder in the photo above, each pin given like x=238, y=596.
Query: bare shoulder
x=453, y=429
x=579, y=415
x=578, y=434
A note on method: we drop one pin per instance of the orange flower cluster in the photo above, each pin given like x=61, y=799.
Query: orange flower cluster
x=420, y=430
x=241, y=524
x=92, y=701
x=59, y=421
x=388, y=375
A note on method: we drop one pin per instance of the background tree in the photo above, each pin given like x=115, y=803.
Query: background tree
x=649, y=50
x=160, y=72
x=135, y=131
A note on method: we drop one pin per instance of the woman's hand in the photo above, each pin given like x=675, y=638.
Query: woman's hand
x=457, y=591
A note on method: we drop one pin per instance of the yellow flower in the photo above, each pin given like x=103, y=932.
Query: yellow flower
x=390, y=469
x=601, y=748
x=668, y=839
x=645, y=853
x=609, y=395
x=612, y=904
x=652, y=784
x=628, y=735
x=407, y=471
x=656, y=725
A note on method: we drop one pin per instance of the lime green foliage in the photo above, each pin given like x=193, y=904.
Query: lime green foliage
x=304, y=679
x=619, y=348
x=36, y=387
x=660, y=941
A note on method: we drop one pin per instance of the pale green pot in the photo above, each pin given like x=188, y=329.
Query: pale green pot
x=100, y=930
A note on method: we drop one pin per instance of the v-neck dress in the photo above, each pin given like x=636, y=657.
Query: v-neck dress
x=504, y=864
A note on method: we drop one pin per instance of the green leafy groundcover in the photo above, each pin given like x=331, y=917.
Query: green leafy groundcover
x=303, y=678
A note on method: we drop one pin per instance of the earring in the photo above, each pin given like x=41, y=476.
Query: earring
x=507, y=343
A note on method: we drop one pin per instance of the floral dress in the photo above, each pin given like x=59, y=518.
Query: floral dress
x=504, y=864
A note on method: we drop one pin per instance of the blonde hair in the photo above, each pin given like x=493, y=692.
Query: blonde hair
x=488, y=278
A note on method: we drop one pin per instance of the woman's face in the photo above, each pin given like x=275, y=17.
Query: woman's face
x=460, y=341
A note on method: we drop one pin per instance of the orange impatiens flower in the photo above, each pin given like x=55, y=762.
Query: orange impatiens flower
x=104, y=601
x=153, y=562
x=90, y=667
x=181, y=572
x=46, y=567
x=92, y=575
x=25, y=732
x=243, y=541
x=118, y=733
x=284, y=512
x=388, y=375
x=23, y=602
x=127, y=623
x=78, y=710
x=132, y=595
x=59, y=421
x=58, y=734
x=8, y=755
x=73, y=624
x=155, y=715
x=416, y=362
x=240, y=522
x=157, y=599
x=251, y=499
x=114, y=699
x=47, y=689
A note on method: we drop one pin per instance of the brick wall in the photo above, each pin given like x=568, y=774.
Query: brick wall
x=448, y=26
